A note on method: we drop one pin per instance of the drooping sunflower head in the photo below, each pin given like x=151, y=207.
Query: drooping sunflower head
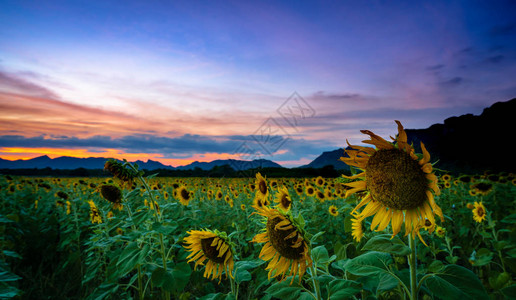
x=120, y=171
x=482, y=187
x=398, y=183
x=62, y=195
x=479, y=212
x=212, y=247
x=283, y=199
x=113, y=194
x=285, y=245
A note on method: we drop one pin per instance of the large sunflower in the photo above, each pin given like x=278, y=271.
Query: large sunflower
x=213, y=246
x=398, y=184
x=285, y=245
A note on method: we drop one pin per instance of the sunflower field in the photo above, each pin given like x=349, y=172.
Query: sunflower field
x=394, y=229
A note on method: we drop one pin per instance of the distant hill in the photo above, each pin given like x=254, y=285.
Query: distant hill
x=65, y=162
x=329, y=158
x=472, y=144
x=235, y=164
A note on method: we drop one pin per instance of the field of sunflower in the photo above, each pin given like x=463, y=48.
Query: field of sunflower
x=395, y=229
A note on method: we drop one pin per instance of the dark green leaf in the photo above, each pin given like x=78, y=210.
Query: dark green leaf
x=343, y=289
x=370, y=263
x=384, y=243
x=283, y=290
x=509, y=291
x=456, y=282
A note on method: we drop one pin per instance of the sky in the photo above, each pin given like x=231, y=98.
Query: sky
x=184, y=81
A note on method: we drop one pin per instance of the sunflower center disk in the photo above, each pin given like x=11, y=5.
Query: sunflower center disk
x=395, y=179
x=185, y=194
x=210, y=251
x=277, y=239
x=263, y=187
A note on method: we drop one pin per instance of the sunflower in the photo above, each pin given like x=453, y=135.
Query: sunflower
x=261, y=196
x=319, y=181
x=333, y=210
x=482, y=188
x=479, y=212
x=446, y=177
x=398, y=184
x=94, y=213
x=440, y=231
x=429, y=226
x=310, y=190
x=283, y=199
x=184, y=195
x=213, y=246
x=285, y=245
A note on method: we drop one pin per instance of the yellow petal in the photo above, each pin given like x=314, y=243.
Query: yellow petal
x=397, y=220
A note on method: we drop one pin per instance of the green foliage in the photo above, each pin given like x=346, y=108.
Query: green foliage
x=48, y=251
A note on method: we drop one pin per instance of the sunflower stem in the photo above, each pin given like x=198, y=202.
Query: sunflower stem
x=316, y=282
x=412, y=264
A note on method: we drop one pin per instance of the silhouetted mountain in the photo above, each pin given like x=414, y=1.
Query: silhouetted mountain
x=472, y=144
x=235, y=164
x=329, y=158
x=65, y=162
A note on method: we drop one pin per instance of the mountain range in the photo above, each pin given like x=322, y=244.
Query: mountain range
x=65, y=162
x=467, y=144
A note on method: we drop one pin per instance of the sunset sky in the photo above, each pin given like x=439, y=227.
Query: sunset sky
x=179, y=81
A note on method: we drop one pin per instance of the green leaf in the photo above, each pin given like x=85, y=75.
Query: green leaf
x=342, y=289
x=320, y=255
x=215, y=296
x=242, y=275
x=139, y=217
x=509, y=291
x=131, y=256
x=436, y=266
x=162, y=278
x=283, y=290
x=11, y=254
x=384, y=243
x=510, y=219
x=482, y=257
x=498, y=280
x=172, y=280
x=8, y=292
x=8, y=276
x=456, y=282
x=369, y=264
x=312, y=240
